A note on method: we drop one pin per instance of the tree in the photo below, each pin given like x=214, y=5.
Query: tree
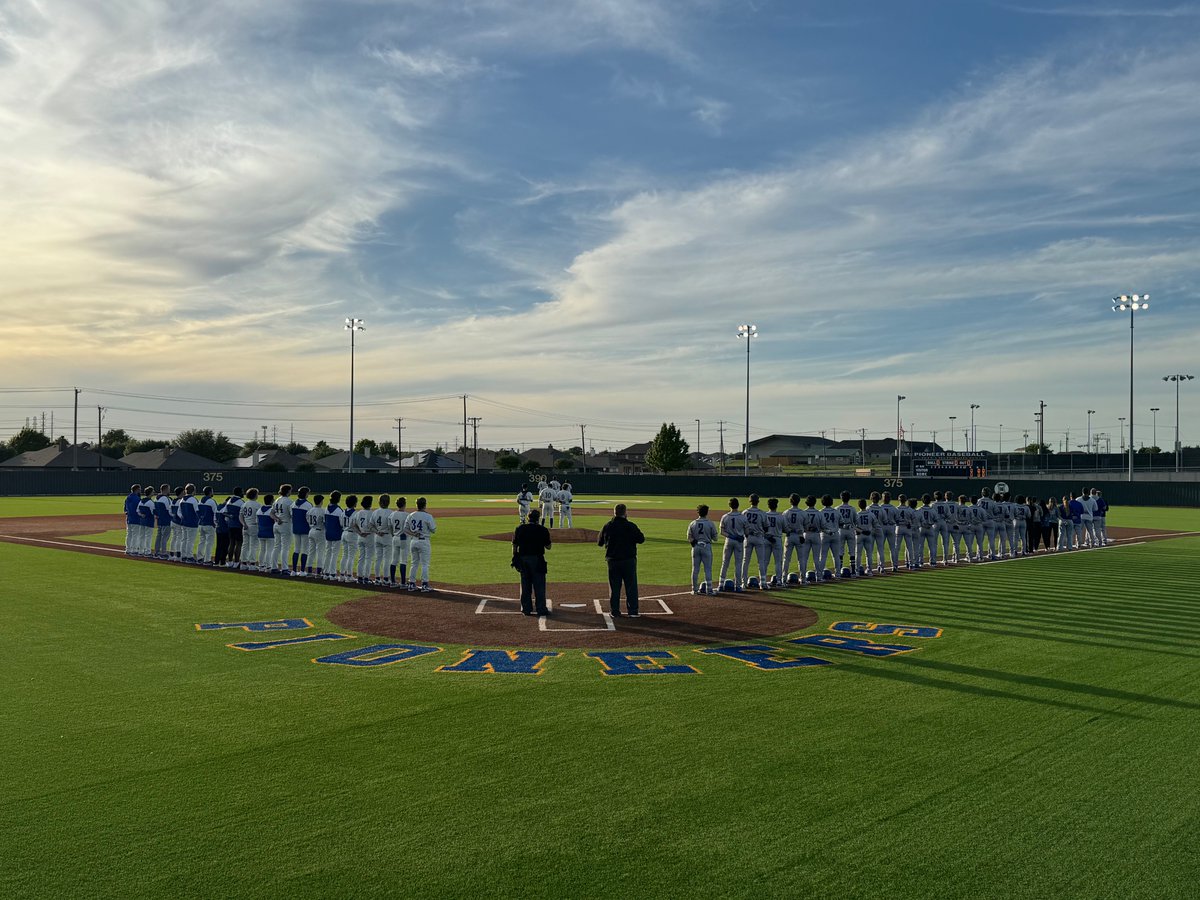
x=27, y=439
x=388, y=449
x=256, y=446
x=576, y=451
x=62, y=442
x=295, y=448
x=1037, y=448
x=363, y=445
x=136, y=446
x=204, y=442
x=565, y=464
x=508, y=462
x=668, y=451
x=115, y=442
x=1150, y=450
x=321, y=450
x=530, y=467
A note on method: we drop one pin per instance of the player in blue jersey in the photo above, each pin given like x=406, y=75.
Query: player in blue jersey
x=132, y=521
x=206, y=527
x=300, y=532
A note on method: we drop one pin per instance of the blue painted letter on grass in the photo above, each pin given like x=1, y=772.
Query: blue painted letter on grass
x=271, y=645
x=760, y=656
x=643, y=663
x=501, y=662
x=271, y=625
x=912, y=631
x=852, y=645
x=377, y=655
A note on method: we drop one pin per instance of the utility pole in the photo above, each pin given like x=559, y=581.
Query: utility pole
x=75, y=436
x=399, y=442
x=583, y=446
x=721, y=428
x=464, y=453
x=99, y=436
x=863, y=434
x=1041, y=422
x=475, y=420
x=822, y=449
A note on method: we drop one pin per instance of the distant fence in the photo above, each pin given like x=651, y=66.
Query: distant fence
x=61, y=482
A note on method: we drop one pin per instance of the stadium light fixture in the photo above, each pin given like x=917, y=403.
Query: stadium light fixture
x=1133, y=303
x=352, y=326
x=899, y=434
x=952, y=418
x=974, y=443
x=1177, y=378
x=749, y=332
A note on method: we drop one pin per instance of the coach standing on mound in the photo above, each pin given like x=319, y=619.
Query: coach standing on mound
x=530, y=543
x=619, y=538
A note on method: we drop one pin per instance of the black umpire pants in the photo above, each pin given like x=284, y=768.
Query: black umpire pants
x=623, y=572
x=235, y=545
x=533, y=584
x=221, y=554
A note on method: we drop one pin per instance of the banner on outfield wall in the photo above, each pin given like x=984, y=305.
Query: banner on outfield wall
x=64, y=482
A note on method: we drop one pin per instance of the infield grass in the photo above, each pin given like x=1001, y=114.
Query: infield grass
x=1043, y=746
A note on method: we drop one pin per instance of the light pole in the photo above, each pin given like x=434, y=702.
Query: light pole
x=1177, y=378
x=352, y=326
x=749, y=332
x=1000, y=443
x=1154, y=411
x=952, y=418
x=900, y=433
x=974, y=442
x=1121, y=419
x=697, y=438
x=1090, y=413
x=1132, y=302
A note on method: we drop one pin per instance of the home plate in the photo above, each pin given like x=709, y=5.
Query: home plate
x=575, y=617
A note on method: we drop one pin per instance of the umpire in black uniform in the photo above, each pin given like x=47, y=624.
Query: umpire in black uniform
x=530, y=543
x=619, y=538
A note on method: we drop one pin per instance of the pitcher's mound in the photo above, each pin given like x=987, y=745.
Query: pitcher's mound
x=557, y=536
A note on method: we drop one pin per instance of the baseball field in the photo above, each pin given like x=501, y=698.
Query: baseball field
x=1024, y=728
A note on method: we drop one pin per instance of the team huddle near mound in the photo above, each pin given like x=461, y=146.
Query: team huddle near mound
x=554, y=499
x=850, y=541
x=362, y=542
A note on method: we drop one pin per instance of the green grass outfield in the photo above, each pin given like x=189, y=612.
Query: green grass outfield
x=1044, y=745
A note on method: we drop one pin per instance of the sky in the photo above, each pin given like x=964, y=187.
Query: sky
x=565, y=208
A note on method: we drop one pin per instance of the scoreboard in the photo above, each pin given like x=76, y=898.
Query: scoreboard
x=949, y=464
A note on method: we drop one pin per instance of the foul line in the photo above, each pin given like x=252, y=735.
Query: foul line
x=29, y=540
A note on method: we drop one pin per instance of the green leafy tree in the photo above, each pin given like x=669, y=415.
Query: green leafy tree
x=508, y=462
x=388, y=449
x=530, y=466
x=115, y=443
x=362, y=445
x=256, y=446
x=321, y=450
x=207, y=443
x=27, y=439
x=565, y=464
x=1037, y=448
x=295, y=448
x=1149, y=450
x=668, y=451
x=136, y=446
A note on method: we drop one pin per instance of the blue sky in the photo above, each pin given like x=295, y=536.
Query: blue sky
x=565, y=208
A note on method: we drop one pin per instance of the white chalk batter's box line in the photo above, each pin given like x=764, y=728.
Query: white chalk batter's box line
x=546, y=624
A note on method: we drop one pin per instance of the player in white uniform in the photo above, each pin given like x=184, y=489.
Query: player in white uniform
x=281, y=548
x=941, y=529
x=1100, y=516
x=927, y=535
x=361, y=522
x=810, y=527
x=700, y=534
x=733, y=530
x=756, y=545
x=546, y=499
x=773, y=532
x=350, y=541
x=1020, y=520
x=988, y=505
x=793, y=536
x=555, y=486
x=891, y=538
x=419, y=528
x=979, y=517
x=207, y=529
x=381, y=528
x=1088, y=533
x=831, y=541
x=961, y=533
x=864, y=540
x=398, y=568
x=524, y=498
x=565, y=499
x=314, y=547
x=907, y=528
x=248, y=516
x=846, y=534
x=878, y=531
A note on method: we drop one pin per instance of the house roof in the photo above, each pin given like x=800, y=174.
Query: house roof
x=806, y=438
x=269, y=458
x=53, y=458
x=171, y=458
x=431, y=460
x=634, y=449
x=337, y=462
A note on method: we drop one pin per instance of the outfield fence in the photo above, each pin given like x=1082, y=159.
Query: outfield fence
x=64, y=482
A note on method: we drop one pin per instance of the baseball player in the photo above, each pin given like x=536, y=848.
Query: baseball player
x=907, y=529
x=131, y=519
x=146, y=522
x=301, y=529
x=265, y=518
x=361, y=522
x=878, y=530
x=941, y=530
x=733, y=530
x=1000, y=516
x=1020, y=520
x=381, y=525
x=700, y=534
x=756, y=544
x=400, y=542
x=1100, y=517
x=221, y=533
x=961, y=532
x=556, y=487
x=546, y=500
x=846, y=533
x=565, y=499
x=793, y=535
x=864, y=539
x=1067, y=519
x=233, y=521
x=207, y=527
x=810, y=528
x=986, y=503
x=176, y=541
x=524, y=498
x=1088, y=518
x=831, y=541
x=281, y=543
x=350, y=540
x=927, y=534
x=335, y=527
x=891, y=538
x=313, y=556
x=419, y=527
x=773, y=532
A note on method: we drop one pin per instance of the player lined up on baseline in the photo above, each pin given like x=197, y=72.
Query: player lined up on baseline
x=937, y=526
x=554, y=499
x=283, y=535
